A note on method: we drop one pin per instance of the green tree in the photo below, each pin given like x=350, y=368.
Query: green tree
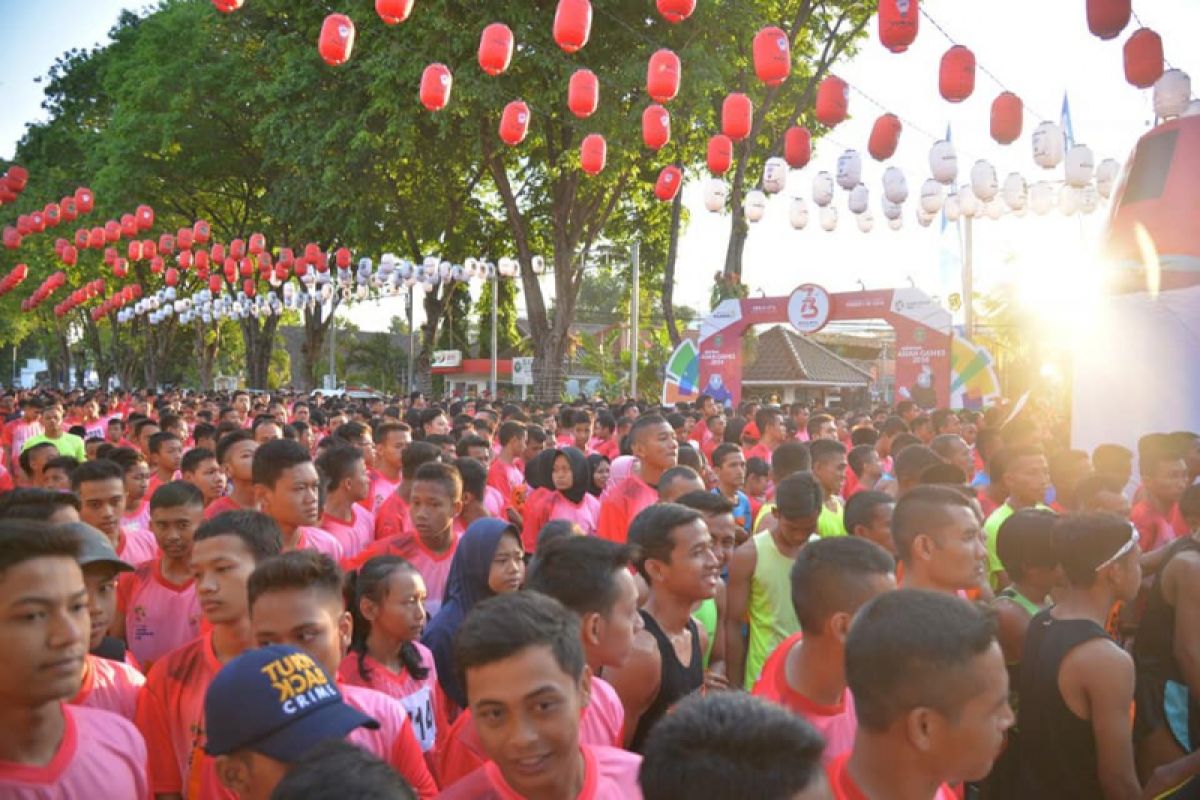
x=508, y=337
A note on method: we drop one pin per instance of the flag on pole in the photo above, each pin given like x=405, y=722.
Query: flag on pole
x=1067, y=128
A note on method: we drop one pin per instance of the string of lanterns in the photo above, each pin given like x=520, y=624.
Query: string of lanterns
x=12, y=183
x=66, y=210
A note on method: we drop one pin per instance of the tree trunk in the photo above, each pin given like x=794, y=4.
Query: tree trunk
x=668, y=293
x=316, y=329
x=259, y=337
x=739, y=230
x=208, y=344
x=550, y=365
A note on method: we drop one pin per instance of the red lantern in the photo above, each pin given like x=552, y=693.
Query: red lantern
x=96, y=238
x=797, y=147
x=676, y=11
x=393, y=12
x=258, y=243
x=720, y=154
x=663, y=75
x=1007, y=116
x=218, y=253
x=149, y=248
x=202, y=231
x=230, y=269
x=145, y=218
x=1107, y=18
x=336, y=40
x=342, y=258
x=129, y=225
x=156, y=265
x=593, y=154
x=669, y=181
x=583, y=93
x=281, y=272
x=25, y=225
x=214, y=284
x=248, y=287
x=572, y=24
x=110, y=256
x=656, y=127
x=183, y=238
x=85, y=200
x=17, y=178
x=185, y=259
x=1143, y=58
x=495, y=48
x=201, y=260
x=436, y=82
x=956, y=78
x=237, y=248
x=166, y=244
x=228, y=6
x=70, y=255
x=514, y=123
x=885, y=135
x=246, y=268
x=38, y=221
x=82, y=238
x=51, y=215
x=172, y=277
x=70, y=210
x=285, y=256
x=833, y=101
x=134, y=251
x=898, y=23
x=772, y=56
x=737, y=115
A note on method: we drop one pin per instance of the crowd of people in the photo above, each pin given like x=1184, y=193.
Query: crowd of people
x=275, y=596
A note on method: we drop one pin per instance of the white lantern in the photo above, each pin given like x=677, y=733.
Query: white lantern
x=716, y=192
x=1015, y=191
x=968, y=203
x=994, y=208
x=458, y=273
x=1089, y=199
x=755, y=205
x=443, y=272
x=539, y=265
x=775, y=173
x=822, y=188
x=1080, y=166
x=896, y=223
x=1106, y=176
x=829, y=217
x=1172, y=94
x=943, y=162
x=1068, y=200
x=984, y=183
x=865, y=221
x=1041, y=197
x=931, y=196
x=860, y=198
x=895, y=185
x=951, y=208
x=925, y=218
x=1047, y=145
x=849, y=169
x=892, y=210
x=798, y=213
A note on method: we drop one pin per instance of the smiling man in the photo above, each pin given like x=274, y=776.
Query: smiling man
x=939, y=541
x=656, y=450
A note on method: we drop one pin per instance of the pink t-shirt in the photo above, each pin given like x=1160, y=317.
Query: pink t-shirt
x=138, y=519
x=381, y=488
x=493, y=501
x=505, y=478
x=1153, y=526
x=623, y=502
x=110, y=686
x=393, y=741
x=608, y=774
x=586, y=514
x=355, y=534
x=322, y=541
x=434, y=567
x=137, y=546
x=604, y=716
x=419, y=697
x=101, y=753
x=160, y=616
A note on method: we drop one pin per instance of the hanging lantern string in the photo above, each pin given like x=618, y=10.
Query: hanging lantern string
x=979, y=65
x=884, y=108
x=1141, y=24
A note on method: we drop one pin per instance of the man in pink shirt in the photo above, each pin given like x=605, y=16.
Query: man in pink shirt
x=101, y=489
x=391, y=440
x=657, y=451
x=51, y=749
x=347, y=486
x=523, y=662
x=287, y=486
x=772, y=433
x=1164, y=477
x=19, y=431
x=505, y=473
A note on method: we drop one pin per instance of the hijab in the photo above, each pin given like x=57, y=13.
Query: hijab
x=466, y=585
x=594, y=461
x=539, y=471
x=622, y=468
x=581, y=474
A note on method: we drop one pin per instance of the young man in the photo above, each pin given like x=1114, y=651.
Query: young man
x=868, y=515
x=657, y=451
x=136, y=478
x=159, y=609
x=170, y=711
x=391, y=439
x=287, y=486
x=772, y=433
x=1077, y=685
x=101, y=489
x=677, y=562
x=436, y=500
x=235, y=453
x=1164, y=477
x=50, y=749
x=678, y=481
x=821, y=426
x=714, y=746
x=56, y=473
x=829, y=468
x=730, y=467
x=347, y=488
x=335, y=769
x=1099, y=492
x=789, y=458
x=1026, y=476
x=952, y=449
x=68, y=444
x=523, y=666
x=166, y=454
x=1067, y=469
x=296, y=599
x=505, y=473
x=200, y=468
x=865, y=470
x=710, y=614
x=55, y=508
x=393, y=517
x=930, y=695
x=831, y=580
x=760, y=589
x=938, y=541
x=606, y=442
x=475, y=489
x=114, y=433
x=18, y=431
x=581, y=430
x=260, y=726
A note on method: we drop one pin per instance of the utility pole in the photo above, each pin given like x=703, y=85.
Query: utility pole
x=968, y=278
x=633, y=324
x=332, y=346
x=495, y=339
x=412, y=355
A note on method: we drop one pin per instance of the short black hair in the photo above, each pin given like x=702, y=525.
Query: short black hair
x=757, y=467
x=912, y=648
x=296, y=569
x=580, y=572
x=443, y=475
x=502, y=626
x=415, y=456
x=336, y=769
x=645, y=423
x=40, y=504
x=203, y=430
x=23, y=540
x=1091, y=486
x=708, y=503
x=798, y=496
x=474, y=476
x=258, y=532
x=275, y=457
x=509, y=430
x=67, y=464
x=825, y=449
x=857, y=458
x=98, y=470
x=788, y=459
x=554, y=530
x=25, y=459
x=176, y=494
x=229, y=440
x=337, y=462
x=1024, y=540
x=678, y=472
x=721, y=451
x=1084, y=541
x=159, y=439
x=863, y=436
x=921, y=509
x=860, y=508
x=940, y=418
x=193, y=458
x=651, y=532
x=913, y=460
x=730, y=745
x=830, y=576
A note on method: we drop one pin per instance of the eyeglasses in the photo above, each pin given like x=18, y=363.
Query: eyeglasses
x=1125, y=548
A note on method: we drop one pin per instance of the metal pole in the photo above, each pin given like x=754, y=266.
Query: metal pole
x=495, y=338
x=332, y=346
x=633, y=313
x=412, y=355
x=968, y=280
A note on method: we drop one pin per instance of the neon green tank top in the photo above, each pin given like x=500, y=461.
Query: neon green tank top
x=772, y=617
x=829, y=523
x=706, y=616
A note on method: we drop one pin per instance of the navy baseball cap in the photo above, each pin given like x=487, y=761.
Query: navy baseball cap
x=276, y=701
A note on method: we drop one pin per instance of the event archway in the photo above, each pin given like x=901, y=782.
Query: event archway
x=923, y=336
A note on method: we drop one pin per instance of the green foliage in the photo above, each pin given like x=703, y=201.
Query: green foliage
x=508, y=337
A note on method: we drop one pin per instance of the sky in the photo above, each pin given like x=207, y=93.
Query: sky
x=1039, y=49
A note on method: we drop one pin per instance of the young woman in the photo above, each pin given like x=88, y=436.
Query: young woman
x=600, y=467
x=572, y=477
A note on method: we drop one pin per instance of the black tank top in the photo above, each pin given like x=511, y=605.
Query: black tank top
x=677, y=682
x=1058, y=750
x=1154, y=645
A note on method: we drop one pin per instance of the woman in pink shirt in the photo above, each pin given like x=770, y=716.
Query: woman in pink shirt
x=386, y=597
x=572, y=501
